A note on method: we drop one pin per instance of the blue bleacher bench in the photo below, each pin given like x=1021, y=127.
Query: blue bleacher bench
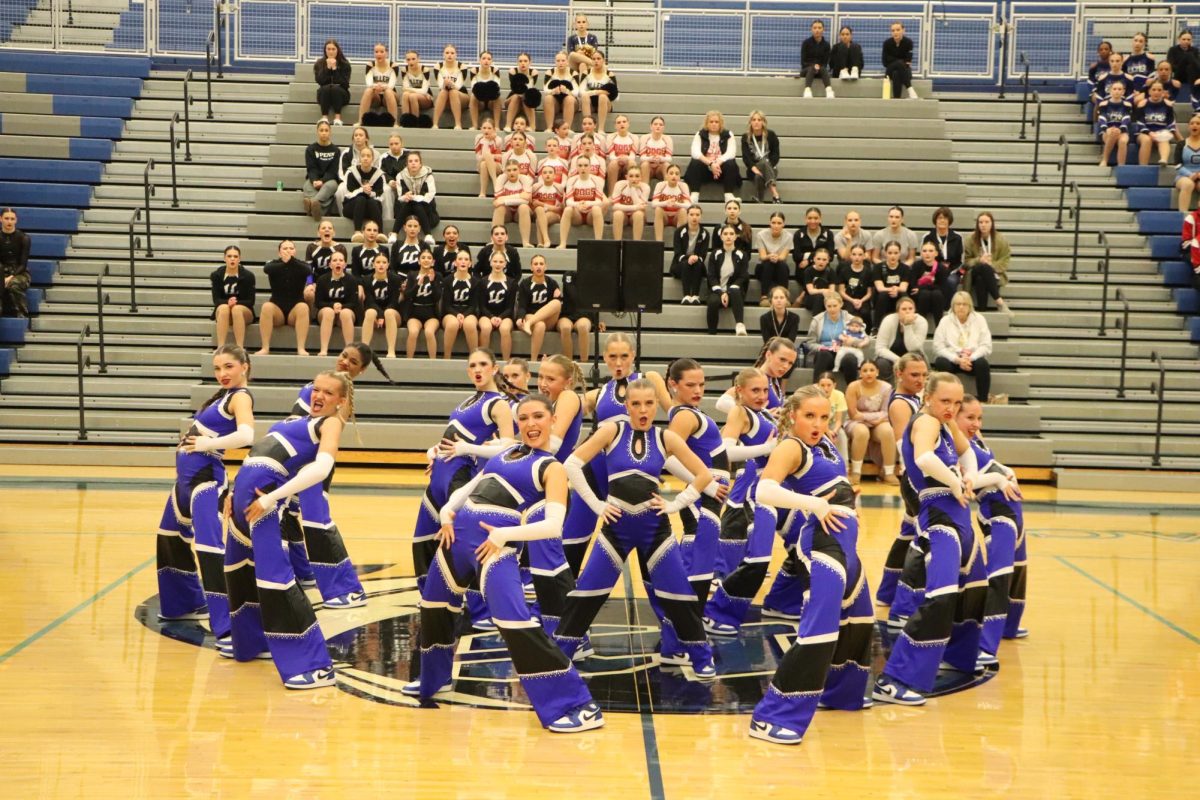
x=49, y=245
x=1194, y=326
x=102, y=86
x=50, y=170
x=91, y=127
x=1135, y=175
x=49, y=220
x=34, y=298
x=1159, y=222
x=1176, y=273
x=12, y=330
x=7, y=357
x=1164, y=248
x=120, y=107
x=44, y=195
x=1187, y=301
x=41, y=272
x=72, y=64
x=1139, y=198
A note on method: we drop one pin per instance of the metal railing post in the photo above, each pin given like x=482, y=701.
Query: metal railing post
x=101, y=300
x=1037, y=135
x=149, y=192
x=1159, y=387
x=1104, y=265
x=1062, y=189
x=1124, y=341
x=1024, y=93
x=1003, y=51
x=208, y=57
x=217, y=36
x=1078, y=213
x=80, y=363
x=134, y=244
x=187, y=118
x=174, y=146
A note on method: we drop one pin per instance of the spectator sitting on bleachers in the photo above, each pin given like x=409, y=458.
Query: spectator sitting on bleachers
x=581, y=45
x=851, y=234
x=583, y=201
x=317, y=255
x=1156, y=125
x=233, y=298
x=521, y=125
x=447, y=252
x=1185, y=62
x=383, y=289
x=547, y=201
x=450, y=77
x=539, y=304
x=558, y=93
x=511, y=201
x=856, y=285
x=733, y=218
x=778, y=321
x=826, y=382
x=774, y=244
x=364, y=193
x=1163, y=74
x=597, y=90
x=1139, y=65
x=760, y=154
x=416, y=196
x=339, y=299
x=1116, y=74
x=321, y=174
x=1187, y=156
x=902, y=331
x=670, y=201
x=499, y=243
x=928, y=283
x=825, y=341
x=809, y=238
x=891, y=278
x=575, y=320
x=360, y=137
x=1191, y=245
x=393, y=161
x=565, y=138
x=405, y=251
x=460, y=306
x=962, y=344
x=523, y=94
x=380, y=82
x=897, y=61
x=489, y=153
x=986, y=257
x=485, y=91
x=520, y=154
x=588, y=129
x=621, y=152
x=630, y=199
x=949, y=244
x=895, y=232
x=332, y=74
x=555, y=160
x=14, y=266
x=846, y=57
x=819, y=281
x=362, y=256
x=689, y=262
x=1098, y=70
x=867, y=402
x=1112, y=123
x=422, y=301
x=713, y=158
x=589, y=150
x=655, y=151
x=814, y=60
x=728, y=272
x=288, y=276
x=415, y=85
x=497, y=305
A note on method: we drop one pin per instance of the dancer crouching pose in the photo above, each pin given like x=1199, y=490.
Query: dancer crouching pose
x=482, y=533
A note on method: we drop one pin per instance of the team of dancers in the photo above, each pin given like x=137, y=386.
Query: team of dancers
x=517, y=492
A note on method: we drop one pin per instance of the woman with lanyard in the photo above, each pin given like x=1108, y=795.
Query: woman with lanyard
x=636, y=520
x=940, y=463
x=605, y=404
x=949, y=243
x=777, y=321
x=1187, y=156
x=760, y=154
x=829, y=663
x=192, y=587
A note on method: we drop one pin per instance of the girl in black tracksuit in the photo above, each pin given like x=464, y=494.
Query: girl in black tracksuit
x=728, y=272
x=692, y=243
x=332, y=74
x=846, y=57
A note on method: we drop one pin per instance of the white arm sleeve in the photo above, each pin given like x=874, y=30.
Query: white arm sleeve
x=676, y=468
x=556, y=444
x=968, y=464
x=935, y=468
x=548, y=528
x=725, y=403
x=579, y=483
x=681, y=500
x=744, y=452
x=458, y=499
x=242, y=437
x=770, y=493
x=309, y=475
x=493, y=448
x=990, y=480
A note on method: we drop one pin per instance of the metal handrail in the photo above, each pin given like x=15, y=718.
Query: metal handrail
x=216, y=37
x=1004, y=31
x=1124, y=341
x=1159, y=388
x=1077, y=214
x=174, y=145
x=149, y=192
x=1062, y=189
x=208, y=59
x=187, y=118
x=1103, y=266
x=80, y=364
x=1024, y=94
x=101, y=301
x=1037, y=135
x=134, y=243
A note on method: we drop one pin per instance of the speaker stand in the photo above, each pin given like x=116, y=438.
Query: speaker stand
x=637, y=364
x=596, y=363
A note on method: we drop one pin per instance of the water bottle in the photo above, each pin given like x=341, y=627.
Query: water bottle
x=279, y=186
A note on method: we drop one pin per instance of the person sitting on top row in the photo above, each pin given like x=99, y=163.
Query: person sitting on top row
x=814, y=60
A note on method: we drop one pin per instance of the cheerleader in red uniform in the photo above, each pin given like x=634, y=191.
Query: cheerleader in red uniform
x=511, y=202
x=671, y=200
x=655, y=151
x=622, y=152
x=547, y=203
x=630, y=198
x=585, y=201
x=489, y=153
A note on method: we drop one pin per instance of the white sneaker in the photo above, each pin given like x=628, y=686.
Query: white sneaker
x=844, y=75
x=313, y=679
x=413, y=689
x=337, y=123
x=429, y=241
x=695, y=198
x=729, y=196
x=391, y=238
x=808, y=94
x=854, y=73
x=829, y=93
x=912, y=94
x=739, y=330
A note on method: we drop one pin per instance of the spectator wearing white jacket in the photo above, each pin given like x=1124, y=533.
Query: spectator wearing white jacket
x=903, y=331
x=963, y=342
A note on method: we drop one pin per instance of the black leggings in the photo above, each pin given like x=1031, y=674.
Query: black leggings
x=979, y=368
x=811, y=74
x=900, y=74
x=406, y=209
x=931, y=304
x=823, y=362
x=771, y=274
x=332, y=99
x=984, y=284
x=699, y=174
x=362, y=208
x=692, y=277
x=885, y=305
x=736, y=305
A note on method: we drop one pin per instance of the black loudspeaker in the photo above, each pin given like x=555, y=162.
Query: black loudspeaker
x=598, y=271
x=642, y=269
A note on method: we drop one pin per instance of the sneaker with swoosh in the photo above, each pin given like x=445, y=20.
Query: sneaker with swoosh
x=313, y=679
x=776, y=734
x=887, y=691
x=584, y=718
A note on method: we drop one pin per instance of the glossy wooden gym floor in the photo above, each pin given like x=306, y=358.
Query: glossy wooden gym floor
x=1099, y=702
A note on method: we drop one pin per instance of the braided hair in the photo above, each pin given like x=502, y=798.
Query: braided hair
x=369, y=357
x=792, y=405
